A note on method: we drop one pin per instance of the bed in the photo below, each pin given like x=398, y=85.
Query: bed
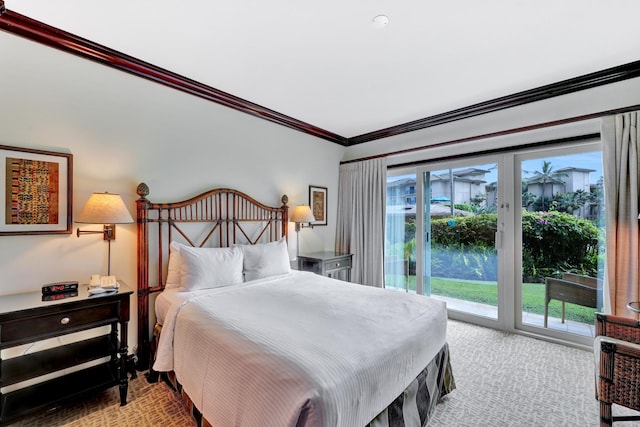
x=251, y=342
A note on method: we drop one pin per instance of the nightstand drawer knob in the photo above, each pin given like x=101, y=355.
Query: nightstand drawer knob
x=65, y=320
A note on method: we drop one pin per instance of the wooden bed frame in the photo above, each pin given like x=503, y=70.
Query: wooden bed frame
x=225, y=216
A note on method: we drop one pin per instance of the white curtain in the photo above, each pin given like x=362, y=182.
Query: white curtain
x=360, y=227
x=396, y=264
x=621, y=157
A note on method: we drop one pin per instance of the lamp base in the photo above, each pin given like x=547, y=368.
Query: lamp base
x=109, y=232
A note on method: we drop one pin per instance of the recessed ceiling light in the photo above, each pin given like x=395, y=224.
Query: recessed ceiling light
x=380, y=21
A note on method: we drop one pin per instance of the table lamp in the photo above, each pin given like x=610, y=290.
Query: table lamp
x=301, y=215
x=108, y=209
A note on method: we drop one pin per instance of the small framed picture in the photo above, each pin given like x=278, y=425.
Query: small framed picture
x=37, y=191
x=318, y=204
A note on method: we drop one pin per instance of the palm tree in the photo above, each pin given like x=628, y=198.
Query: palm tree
x=547, y=175
x=528, y=199
x=571, y=202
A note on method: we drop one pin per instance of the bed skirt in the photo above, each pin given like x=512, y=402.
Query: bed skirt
x=412, y=408
x=417, y=402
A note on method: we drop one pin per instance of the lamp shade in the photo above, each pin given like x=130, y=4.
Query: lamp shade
x=104, y=208
x=302, y=213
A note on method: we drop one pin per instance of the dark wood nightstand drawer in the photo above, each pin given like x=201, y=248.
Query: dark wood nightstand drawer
x=66, y=321
x=337, y=264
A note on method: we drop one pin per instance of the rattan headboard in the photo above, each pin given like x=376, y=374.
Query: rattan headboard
x=216, y=218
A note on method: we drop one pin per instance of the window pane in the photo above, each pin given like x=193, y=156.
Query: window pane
x=400, y=233
x=562, y=241
x=463, y=223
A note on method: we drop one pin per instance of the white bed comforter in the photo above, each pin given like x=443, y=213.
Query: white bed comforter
x=299, y=350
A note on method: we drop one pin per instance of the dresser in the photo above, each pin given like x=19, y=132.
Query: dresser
x=31, y=317
x=330, y=264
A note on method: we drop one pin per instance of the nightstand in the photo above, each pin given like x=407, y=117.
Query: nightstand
x=330, y=264
x=31, y=317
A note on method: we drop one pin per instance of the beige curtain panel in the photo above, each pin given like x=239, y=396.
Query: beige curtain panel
x=621, y=157
x=360, y=225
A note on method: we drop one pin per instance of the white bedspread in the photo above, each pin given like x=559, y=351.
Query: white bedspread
x=299, y=350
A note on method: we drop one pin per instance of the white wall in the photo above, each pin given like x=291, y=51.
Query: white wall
x=123, y=130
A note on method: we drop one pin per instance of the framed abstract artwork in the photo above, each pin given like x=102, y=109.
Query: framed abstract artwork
x=318, y=204
x=37, y=191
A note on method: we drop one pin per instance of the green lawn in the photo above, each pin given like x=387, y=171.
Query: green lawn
x=486, y=293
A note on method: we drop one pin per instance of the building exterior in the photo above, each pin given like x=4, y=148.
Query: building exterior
x=564, y=180
x=401, y=192
x=567, y=180
x=469, y=185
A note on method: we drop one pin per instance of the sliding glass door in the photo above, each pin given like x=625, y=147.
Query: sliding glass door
x=442, y=223
x=502, y=238
x=400, y=233
x=561, y=240
x=461, y=222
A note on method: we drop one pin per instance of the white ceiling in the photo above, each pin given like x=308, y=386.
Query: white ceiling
x=325, y=63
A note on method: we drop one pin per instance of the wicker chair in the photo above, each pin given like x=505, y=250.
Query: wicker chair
x=617, y=349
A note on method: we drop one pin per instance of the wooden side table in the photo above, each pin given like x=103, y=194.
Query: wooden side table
x=30, y=317
x=330, y=264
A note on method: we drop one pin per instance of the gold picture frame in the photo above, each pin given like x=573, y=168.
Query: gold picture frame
x=318, y=204
x=36, y=191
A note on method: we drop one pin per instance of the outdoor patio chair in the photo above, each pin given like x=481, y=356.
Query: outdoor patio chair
x=572, y=288
x=617, y=352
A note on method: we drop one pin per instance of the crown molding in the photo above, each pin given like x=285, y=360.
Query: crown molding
x=42, y=33
x=53, y=37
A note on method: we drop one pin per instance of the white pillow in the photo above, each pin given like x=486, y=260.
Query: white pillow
x=265, y=259
x=203, y=268
x=173, y=269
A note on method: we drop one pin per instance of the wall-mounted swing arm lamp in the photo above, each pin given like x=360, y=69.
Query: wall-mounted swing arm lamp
x=301, y=215
x=107, y=209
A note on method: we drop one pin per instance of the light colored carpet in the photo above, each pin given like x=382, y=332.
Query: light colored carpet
x=508, y=380
x=502, y=380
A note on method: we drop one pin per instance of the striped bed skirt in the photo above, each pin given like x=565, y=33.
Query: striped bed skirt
x=412, y=408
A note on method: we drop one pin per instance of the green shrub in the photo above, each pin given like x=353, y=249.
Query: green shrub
x=478, y=230
x=473, y=262
x=552, y=242
x=463, y=247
